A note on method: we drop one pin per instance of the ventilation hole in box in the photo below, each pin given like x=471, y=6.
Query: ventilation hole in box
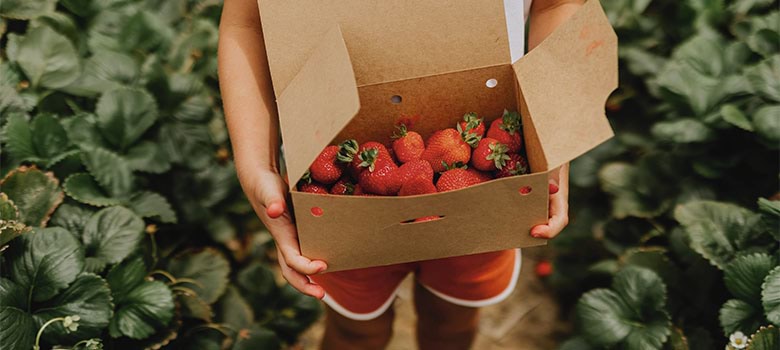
x=317, y=211
x=396, y=99
x=423, y=219
x=491, y=83
x=525, y=190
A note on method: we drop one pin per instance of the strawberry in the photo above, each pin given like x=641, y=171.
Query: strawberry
x=354, y=165
x=378, y=174
x=426, y=218
x=516, y=165
x=343, y=187
x=413, y=169
x=325, y=168
x=417, y=185
x=507, y=130
x=408, y=145
x=481, y=175
x=543, y=268
x=457, y=178
x=472, y=128
x=489, y=155
x=312, y=187
x=446, y=147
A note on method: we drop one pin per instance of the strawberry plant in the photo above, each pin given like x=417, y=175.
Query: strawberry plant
x=667, y=248
x=122, y=223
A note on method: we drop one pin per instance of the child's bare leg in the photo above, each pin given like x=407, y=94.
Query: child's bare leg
x=442, y=325
x=342, y=333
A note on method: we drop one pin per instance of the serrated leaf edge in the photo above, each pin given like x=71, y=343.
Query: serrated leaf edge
x=81, y=200
x=50, y=175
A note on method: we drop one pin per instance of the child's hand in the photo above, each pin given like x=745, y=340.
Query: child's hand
x=266, y=191
x=559, y=206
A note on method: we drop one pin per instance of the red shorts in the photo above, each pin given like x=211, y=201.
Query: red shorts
x=472, y=280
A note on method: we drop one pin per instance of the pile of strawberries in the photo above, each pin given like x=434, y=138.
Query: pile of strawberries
x=450, y=159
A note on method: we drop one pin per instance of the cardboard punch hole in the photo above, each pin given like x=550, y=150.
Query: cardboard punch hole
x=395, y=99
x=423, y=219
x=491, y=83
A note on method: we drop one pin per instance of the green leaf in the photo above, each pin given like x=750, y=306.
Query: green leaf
x=296, y=313
x=8, y=210
x=745, y=274
x=208, y=267
x=233, y=309
x=45, y=261
x=24, y=9
x=738, y=315
x=194, y=307
x=82, y=130
x=767, y=123
x=716, y=230
x=125, y=276
x=49, y=137
x=623, y=181
x=147, y=307
x=684, y=130
x=735, y=117
x=149, y=204
x=48, y=58
x=18, y=138
x=188, y=144
x=631, y=313
x=677, y=340
x=83, y=188
x=257, y=285
x=124, y=115
x=576, y=343
x=10, y=228
x=88, y=297
x=763, y=78
x=106, y=70
x=72, y=217
x=17, y=328
x=149, y=157
x=770, y=296
x=257, y=337
x=146, y=31
x=767, y=338
x=35, y=193
x=112, y=234
x=110, y=170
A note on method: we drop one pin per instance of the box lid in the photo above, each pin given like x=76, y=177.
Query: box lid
x=388, y=40
x=318, y=103
x=565, y=82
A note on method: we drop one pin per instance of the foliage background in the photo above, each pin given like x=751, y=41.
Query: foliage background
x=120, y=202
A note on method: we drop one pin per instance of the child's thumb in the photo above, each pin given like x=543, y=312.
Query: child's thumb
x=272, y=197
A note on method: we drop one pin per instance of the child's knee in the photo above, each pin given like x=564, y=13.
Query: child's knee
x=373, y=333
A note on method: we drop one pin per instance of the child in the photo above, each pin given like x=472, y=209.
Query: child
x=448, y=292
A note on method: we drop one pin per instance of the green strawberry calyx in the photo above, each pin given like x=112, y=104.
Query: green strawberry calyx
x=498, y=154
x=368, y=158
x=510, y=122
x=347, y=151
x=402, y=131
x=456, y=165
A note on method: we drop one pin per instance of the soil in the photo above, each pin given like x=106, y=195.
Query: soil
x=528, y=319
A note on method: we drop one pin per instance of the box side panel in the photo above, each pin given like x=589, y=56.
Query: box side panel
x=317, y=104
x=388, y=40
x=431, y=103
x=565, y=82
x=354, y=232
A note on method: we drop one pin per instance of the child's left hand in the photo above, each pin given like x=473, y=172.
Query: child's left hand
x=559, y=206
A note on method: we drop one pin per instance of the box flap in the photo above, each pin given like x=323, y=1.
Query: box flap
x=317, y=104
x=565, y=82
x=388, y=40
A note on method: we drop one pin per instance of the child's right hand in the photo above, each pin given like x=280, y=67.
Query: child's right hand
x=266, y=191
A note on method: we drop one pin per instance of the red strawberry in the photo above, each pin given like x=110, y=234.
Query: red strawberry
x=325, y=168
x=408, y=145
x=343, y=187
x=414, y=169
x=417, y=185
x=481, y=175
x=312, y=187
x=489, y=155
x=516, y=165
x=426, y=218
x=544, y=268
x=446, y=147
x=354, y=166
x=378, y=174
x=455, y=179
x=507, y=130
x=472, y=128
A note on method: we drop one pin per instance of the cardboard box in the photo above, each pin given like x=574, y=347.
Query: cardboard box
x=339, y=66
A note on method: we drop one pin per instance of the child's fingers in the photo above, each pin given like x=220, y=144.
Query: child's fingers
x=559, y=218
x=299, y=281
x=286, y=238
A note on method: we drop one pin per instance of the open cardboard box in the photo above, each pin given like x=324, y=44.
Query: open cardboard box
x=339, y=69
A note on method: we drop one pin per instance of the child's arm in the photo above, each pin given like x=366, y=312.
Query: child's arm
x=545, y=16
x=250, y=113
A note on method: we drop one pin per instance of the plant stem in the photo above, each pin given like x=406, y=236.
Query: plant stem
x=40, y=331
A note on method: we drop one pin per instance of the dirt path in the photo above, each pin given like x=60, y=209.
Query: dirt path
x=527, y=320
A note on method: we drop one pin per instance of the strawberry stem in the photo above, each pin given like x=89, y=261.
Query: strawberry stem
x=368, y=158
x=347, y=151
x=510, y=122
